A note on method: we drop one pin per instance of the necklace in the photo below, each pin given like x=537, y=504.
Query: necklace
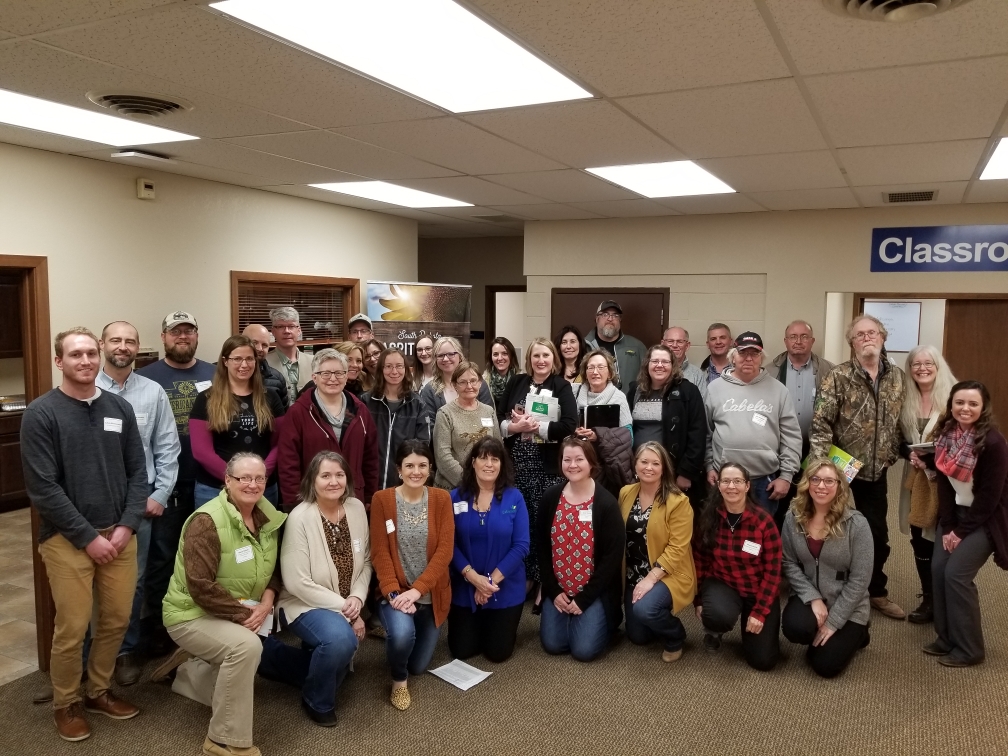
x=732, y=524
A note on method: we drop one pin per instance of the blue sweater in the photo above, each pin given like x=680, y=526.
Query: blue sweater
x=501, y=544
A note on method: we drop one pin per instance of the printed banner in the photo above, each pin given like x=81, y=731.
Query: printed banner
x=403, y=312
x=941, y=249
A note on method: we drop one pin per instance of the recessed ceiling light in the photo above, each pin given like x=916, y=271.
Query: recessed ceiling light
x=997, y=166
x=54, y=118
x=680, y=178
x=433, y=49
x=382, y=191
x=142, y=155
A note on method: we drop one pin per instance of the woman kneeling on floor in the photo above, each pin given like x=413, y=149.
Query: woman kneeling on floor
x=828, y=558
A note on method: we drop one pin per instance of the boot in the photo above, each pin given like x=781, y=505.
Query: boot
x=924, y=613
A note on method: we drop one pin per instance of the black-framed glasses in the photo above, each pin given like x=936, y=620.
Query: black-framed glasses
x=448, y=355
x=328, y=375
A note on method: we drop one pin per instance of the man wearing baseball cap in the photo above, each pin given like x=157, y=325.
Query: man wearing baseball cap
x=608, y=334
x=360, y=328
x=751, y=421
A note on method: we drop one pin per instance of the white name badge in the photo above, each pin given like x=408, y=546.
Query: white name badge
x=759, y=419
x=487, y=422
x=113, y=424
x=141, y=418
x=243, y=554
x=584, y=515
x=461, y=506
x=202, y=386
x=356, y=545
x=751, y=547
x=389, y=526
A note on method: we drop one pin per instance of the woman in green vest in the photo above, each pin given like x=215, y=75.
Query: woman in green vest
x=227, y=576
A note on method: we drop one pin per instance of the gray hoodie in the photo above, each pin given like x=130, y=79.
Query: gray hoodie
x=753, y=424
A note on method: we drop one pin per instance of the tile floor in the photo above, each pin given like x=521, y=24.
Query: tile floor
x=18, y=649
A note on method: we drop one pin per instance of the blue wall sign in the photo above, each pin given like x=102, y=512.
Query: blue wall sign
x=944, y=249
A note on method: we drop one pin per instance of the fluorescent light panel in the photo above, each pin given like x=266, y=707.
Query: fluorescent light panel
x=997, y=166
x=434, y=49
x=680, y=178
x=391, y=194
x=54, y=118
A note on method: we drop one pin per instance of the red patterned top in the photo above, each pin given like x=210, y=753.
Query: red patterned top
x=573, y=543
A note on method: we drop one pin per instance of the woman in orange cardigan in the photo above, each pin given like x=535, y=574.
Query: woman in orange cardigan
x=412, y=541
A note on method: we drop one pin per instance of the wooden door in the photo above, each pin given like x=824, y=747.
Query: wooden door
x=976, y=332
x=644, y=310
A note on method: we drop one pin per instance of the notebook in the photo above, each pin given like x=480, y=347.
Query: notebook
x=600, y=416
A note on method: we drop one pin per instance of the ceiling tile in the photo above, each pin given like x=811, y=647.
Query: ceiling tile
x=191, y=46
x=222, y=175
x=563, y=186
x=582, y=135
x=33, y=16
x=988, y=191
x=68, y=78
x=635, y=208
x=912, y=163
x=806, y=199
x=739, y=119
x=821, y=42
x=546, y=212
x=949, y=193
x=452, y=143
x=786, y=170
x=712, y=203
x=929, y=103
x=472, y=189
x=342, y=154
x=627, y=48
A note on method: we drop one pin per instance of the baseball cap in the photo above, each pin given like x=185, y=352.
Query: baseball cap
x=609, y=305
x=360, y=317
x=749, y=340
x=173, y=319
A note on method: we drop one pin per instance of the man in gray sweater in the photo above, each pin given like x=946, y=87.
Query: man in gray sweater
x=751, y=420
x=86, y=475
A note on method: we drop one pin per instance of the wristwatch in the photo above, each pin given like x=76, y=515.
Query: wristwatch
x=392, y=596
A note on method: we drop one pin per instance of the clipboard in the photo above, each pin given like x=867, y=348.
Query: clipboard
x=600, y=416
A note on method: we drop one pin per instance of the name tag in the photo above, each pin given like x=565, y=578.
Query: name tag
x=545, y=392
x=113, y=424
x=243, y=554
x=486, y=422
x=460, y=507
x=751, y=547
x=202, y=386
x=759, y=419
x=389, y=526
x=584, y=515
x=141, y=418
x=356, y=545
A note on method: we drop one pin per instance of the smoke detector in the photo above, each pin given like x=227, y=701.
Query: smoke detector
x=139, y=105
x=891, y=10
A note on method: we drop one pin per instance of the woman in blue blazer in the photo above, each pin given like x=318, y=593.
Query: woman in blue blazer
x=488, y=568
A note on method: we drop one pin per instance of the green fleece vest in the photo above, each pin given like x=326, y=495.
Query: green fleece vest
x=245, y=579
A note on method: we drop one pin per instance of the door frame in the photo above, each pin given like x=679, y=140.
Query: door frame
x=490, y=309
x=35, y=340
x=665, y=292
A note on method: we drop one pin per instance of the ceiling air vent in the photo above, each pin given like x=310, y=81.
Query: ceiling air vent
x=891, y=10
x=925, y=196
x=499, y=218
x=143, y=107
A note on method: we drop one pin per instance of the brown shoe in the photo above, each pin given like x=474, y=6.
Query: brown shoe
x=211, y=748
x=670, y=656
x=110, y=706
x=888, y=608
x=70, y=723
x=163, y=670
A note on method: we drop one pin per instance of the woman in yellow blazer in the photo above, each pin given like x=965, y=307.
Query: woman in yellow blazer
x=660, y=576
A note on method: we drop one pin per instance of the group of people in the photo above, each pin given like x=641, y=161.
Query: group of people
x=358, y=491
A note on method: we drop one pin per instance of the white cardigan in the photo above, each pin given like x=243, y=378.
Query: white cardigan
x=310, y=579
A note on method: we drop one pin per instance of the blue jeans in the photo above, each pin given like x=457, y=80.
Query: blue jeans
x=758, y=489
x=410, y=641
x=332, y=642
x=651, y=617
x=584, y=636
x=204, y=493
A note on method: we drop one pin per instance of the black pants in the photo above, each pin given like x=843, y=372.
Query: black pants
x=922, y=549
x=697, y=495
x=491, y=632
x=723, y=607
x=871, y=498
x=956, y=600
x=831, y=658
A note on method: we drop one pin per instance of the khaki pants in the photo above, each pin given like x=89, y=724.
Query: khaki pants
x=236, y=651
x=74, y=579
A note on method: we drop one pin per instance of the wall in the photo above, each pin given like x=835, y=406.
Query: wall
x=803, y=255
x=113, y=256
x=479, y=262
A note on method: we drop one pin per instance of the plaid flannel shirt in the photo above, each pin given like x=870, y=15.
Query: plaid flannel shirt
x=753, y=576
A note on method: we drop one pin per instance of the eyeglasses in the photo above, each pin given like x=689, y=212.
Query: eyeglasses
x=674, y=342
x=328, y=375
x=286, y=327
x=247, y=480
x=732, y=482
x=864, y=335
x=815, y=480
x=448, y=355
x=394, y=368
x=610, y=315
x=469, y=383
x=177, y=332
x=597, y=369
x=242, y=360
x=922, y=365
x=424, y=350
x=798, y=337
x=664, y=363
x=750, y=354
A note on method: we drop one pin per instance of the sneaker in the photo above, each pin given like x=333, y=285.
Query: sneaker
x=165, y=669
x=70, y=722
x=321, y=718
x=924, y=613
x=670, y=656
x=210, y=748
x=400, y=698
x=712, y=642
x=888, y=608
x=127, y=669
x=110, y=706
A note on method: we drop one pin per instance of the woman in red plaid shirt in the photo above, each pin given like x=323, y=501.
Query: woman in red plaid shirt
x=737, y=551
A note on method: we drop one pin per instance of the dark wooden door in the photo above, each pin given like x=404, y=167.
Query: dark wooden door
x=976, y=335
x=644, y=310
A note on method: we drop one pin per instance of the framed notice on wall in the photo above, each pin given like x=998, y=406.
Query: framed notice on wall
x=901, y=319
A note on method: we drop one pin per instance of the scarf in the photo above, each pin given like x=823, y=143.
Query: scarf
x=955, y=454
x=497, y=383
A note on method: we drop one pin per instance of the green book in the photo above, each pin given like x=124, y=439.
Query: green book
x=847, y=464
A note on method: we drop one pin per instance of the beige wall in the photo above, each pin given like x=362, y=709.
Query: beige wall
x=479, y=262
x=801, y=255
x=113, y=256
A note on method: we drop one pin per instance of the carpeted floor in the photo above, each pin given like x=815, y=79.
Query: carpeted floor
x=891, y=700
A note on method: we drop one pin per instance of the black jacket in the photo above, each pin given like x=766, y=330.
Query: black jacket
x=393, y=428
x=684, y=427
x=516, y=391
x=273, y=380
x=606, y=581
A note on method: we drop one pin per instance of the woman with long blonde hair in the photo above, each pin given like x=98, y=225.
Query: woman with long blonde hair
x=356, y=377
x=828, y=559
x=448, y=355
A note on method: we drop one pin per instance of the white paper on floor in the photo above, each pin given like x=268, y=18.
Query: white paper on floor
x=463, y=676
